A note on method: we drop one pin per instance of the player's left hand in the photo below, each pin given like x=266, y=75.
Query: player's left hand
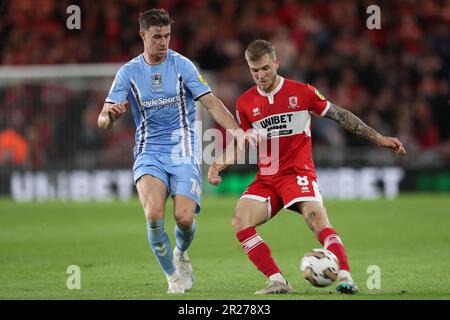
x=392, y=143
x=213, y=175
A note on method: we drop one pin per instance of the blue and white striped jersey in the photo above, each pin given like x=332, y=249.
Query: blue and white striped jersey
x=162, y=100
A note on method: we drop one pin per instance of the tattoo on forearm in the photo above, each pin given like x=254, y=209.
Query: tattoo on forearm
x=310, y=215
x=352, y=123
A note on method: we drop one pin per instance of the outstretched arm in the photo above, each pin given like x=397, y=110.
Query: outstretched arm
x=353, y=124
x=225, y=119
x=218, y=111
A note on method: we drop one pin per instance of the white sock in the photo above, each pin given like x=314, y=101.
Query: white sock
x=177, y=251
x=342, y=274
x=172, y=276
x=278, y=277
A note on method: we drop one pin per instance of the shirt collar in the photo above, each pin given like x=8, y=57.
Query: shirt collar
x=274, y=91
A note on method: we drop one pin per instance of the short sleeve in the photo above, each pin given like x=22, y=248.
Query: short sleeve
x=194, y=81
x=120, y=87
x=318, y=104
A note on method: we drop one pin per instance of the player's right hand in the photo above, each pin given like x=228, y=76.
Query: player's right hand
x=213, y=175
x=116, y=110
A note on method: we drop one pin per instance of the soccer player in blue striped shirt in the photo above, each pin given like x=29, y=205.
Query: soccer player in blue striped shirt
x=162, y=85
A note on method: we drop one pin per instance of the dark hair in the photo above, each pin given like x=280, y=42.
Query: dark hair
x=154, y=17
x=258, y=48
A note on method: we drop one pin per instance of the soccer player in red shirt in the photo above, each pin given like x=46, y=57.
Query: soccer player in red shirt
x=280, y=109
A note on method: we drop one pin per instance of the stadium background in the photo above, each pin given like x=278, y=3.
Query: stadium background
x=53, y=82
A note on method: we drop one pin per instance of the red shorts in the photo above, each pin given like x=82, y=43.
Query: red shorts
x=283, y=191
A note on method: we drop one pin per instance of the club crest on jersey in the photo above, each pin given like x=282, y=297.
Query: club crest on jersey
x=157, y=81
x=256, y=111
x=293, y=103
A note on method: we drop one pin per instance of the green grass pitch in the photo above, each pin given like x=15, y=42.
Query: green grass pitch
x=408, y=238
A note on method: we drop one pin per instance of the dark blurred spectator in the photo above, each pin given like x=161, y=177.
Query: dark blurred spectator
x=396, y=78
x=426, y=132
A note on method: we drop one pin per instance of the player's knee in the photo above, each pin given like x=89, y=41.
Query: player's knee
x=239, y=222
x=184, y=222
x=184, y=218
x=153, y=212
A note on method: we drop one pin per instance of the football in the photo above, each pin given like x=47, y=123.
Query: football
x=319, y=267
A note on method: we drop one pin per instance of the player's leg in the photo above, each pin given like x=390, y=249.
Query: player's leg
x=316, y=218
x=300, y=193
x=184, y=211
x=249, y=214
x=185, y=182
x=152, y=195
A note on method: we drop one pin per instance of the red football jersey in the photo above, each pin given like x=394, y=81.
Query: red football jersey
x=285, y=115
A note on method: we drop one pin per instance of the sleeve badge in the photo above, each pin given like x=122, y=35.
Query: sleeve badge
x=200, y=77
x=317, y=92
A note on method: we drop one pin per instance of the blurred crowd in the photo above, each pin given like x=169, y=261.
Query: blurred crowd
x=396, y=78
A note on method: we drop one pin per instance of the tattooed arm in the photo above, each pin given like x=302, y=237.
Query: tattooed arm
x=353, y=124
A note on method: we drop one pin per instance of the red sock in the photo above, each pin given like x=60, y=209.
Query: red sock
x=331, y=241
x=257, y=250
